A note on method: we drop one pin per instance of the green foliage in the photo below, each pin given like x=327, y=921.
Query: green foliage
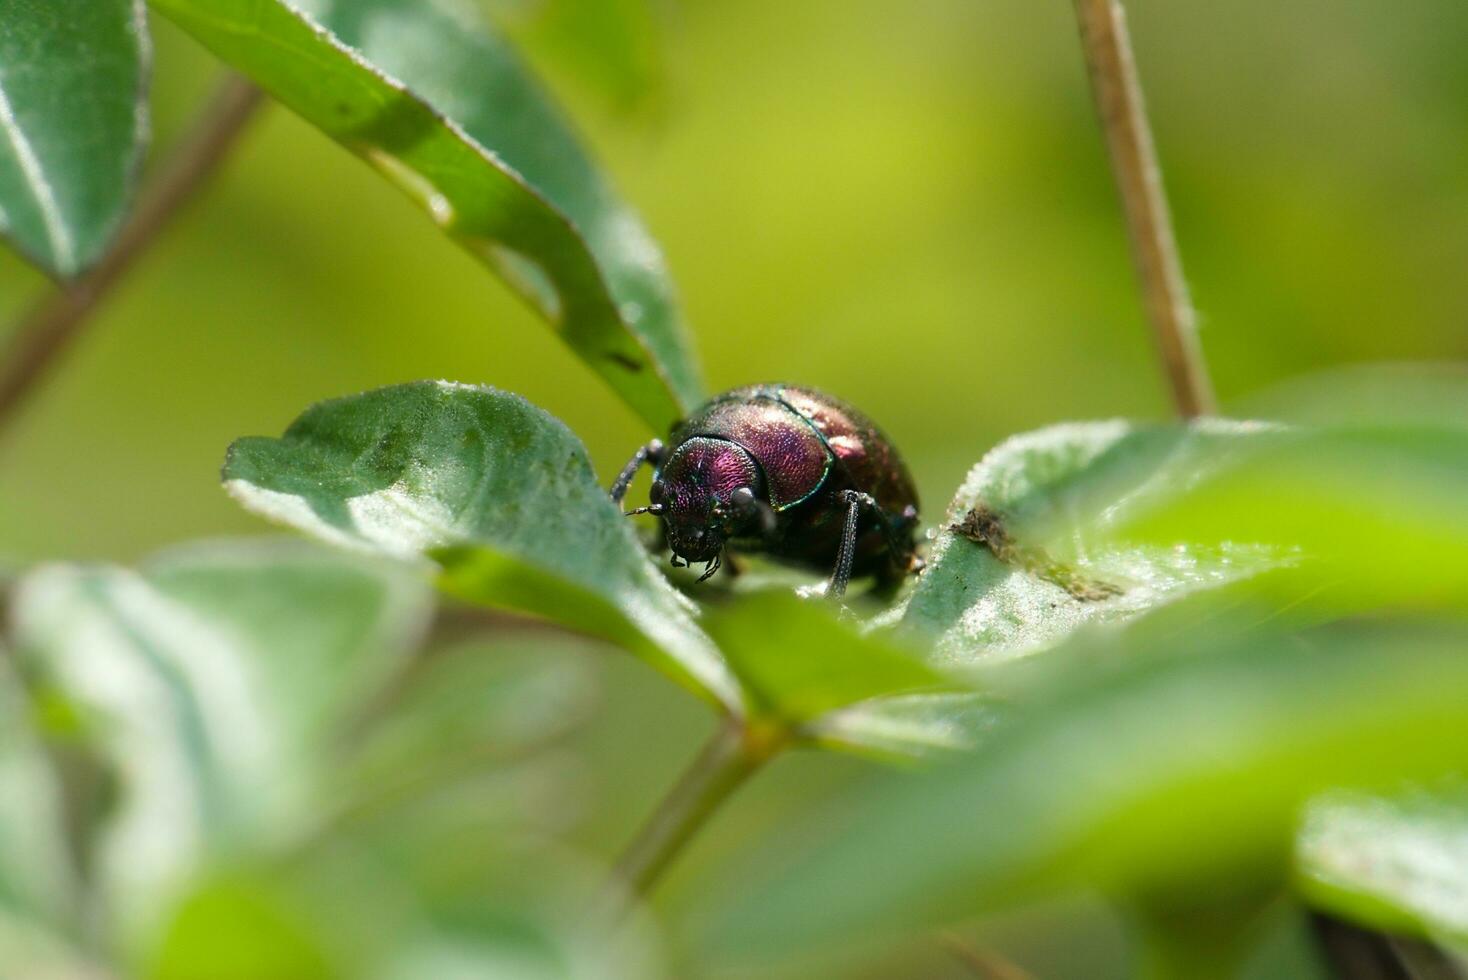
x=1177, y=775
x=496, y=492
x=1022, y=558
x=226, y=711
x=1185, y=667
x=439, y=104
x=73, y=125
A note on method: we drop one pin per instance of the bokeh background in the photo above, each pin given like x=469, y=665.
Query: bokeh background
x=906, y=204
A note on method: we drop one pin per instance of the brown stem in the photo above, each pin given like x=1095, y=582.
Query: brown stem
x=44, y=332
x=1118, y=95
x=730, y=757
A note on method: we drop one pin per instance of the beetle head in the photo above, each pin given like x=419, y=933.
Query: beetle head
x=706, y=492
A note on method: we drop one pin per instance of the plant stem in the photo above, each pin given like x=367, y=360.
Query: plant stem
x=1118, y=95
x=43, y=333
x=730, y=757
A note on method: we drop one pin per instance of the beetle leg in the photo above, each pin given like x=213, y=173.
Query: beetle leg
x=650, y=453
x=891, y=530
x=855, y=501
x=710, y=568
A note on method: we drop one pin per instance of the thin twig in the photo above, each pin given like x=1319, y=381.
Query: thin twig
x=44, y=332
x=1118, y=94
x=730, y=757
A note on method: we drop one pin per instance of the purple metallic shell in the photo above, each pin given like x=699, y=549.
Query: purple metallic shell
x=786, y=445
x=701, y=470
x=810, y=447
x=864, y=452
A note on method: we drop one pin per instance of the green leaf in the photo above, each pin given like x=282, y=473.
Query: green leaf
x=73, y=125
x=495, y=491
x=210, y=685
x=829, y=684
x=443, y=108
x=1182, y=771
x=1396, y=863
x=1045, y=567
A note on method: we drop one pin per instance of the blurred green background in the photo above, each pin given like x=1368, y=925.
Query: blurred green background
x=906, y=204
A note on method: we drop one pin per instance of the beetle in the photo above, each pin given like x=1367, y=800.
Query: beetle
x=786, y=471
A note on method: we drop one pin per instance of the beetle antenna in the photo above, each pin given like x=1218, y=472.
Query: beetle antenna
x=649, y=509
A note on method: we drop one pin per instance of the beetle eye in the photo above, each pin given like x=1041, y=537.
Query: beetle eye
x=655, y=492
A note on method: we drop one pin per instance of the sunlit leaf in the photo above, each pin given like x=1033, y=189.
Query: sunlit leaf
x=1018, y=565
x=73, y=124
x=496, y=492
x=1184, y=770
x=1397, y=863
x=434, y=100
x=208, y=686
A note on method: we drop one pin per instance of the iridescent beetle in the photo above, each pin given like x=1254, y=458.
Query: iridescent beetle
x=784, y=471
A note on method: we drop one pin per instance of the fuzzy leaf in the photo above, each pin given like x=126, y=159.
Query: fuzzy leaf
x=1044, y=566
x=432, y=98
x=500, y=495
x=73, y=125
